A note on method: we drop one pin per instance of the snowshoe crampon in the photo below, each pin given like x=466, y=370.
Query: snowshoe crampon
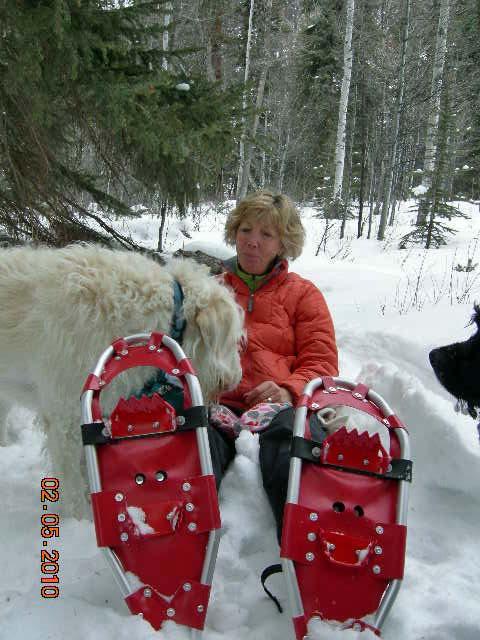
x=344, y=528
x=152, y=487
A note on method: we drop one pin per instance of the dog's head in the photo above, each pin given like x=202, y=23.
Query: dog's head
x=214, y=327
x=457, y=367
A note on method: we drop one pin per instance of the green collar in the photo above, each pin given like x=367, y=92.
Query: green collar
x=252, y=281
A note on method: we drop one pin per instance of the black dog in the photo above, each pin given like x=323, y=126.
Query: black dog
x=457, y=367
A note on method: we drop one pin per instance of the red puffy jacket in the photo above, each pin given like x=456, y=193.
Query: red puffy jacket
x=290, y=334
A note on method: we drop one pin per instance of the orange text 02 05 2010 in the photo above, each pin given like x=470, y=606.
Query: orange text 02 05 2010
x=50, y=529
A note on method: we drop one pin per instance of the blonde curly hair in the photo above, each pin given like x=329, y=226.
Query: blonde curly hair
x=276, y=209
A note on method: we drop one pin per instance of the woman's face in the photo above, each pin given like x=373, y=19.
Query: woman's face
x=258, y=243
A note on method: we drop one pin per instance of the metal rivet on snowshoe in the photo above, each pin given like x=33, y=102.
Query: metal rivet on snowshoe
x=376, y=569
x=175, y=372
x=192, y=526
x=378, y=550
x=147, y=593
x=187, y=586
x=366, y=462
x=314, y=516
x=130, y=427
x=121, y=517
x=312, y=536
x=200, y=608
x=101, y=383
x=118, y=358
x=186, y=486
x=389, y=468
x=124, y=537
x=379, y=530
x=152, y=347
x=189, y=506
x=124, y=352
x=170, y=612
x=310, y=556
x=161, y=476
x=119, y=497
x=340, y=456
x=357, y=395
x=316, y=451
x=155, y=425
x=330, y=546
x=180, y=420
x=325, y=391
x=139, y=478
x=385, y=421
x=331, y=389
x=314, y=405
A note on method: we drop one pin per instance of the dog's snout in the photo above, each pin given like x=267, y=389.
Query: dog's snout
x=434, y=356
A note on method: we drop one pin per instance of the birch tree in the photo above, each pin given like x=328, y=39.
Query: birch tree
x=248, y=152
x=392, y=160
x=167, y=19
x=243, y=137
x=342, y=109
x=434, y=113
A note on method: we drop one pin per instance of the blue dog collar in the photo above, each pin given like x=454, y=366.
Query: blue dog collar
x=178, y=323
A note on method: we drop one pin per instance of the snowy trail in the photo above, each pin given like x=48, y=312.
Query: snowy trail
x=379, y=346
x=437, y=601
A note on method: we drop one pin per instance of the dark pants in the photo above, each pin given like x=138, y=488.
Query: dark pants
x=274, y=460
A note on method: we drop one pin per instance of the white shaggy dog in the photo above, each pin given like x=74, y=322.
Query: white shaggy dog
x=60, y=308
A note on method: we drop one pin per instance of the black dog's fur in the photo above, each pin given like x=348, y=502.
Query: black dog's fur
x=457, y=367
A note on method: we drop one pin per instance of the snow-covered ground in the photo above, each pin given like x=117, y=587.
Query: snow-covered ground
x=390, y=307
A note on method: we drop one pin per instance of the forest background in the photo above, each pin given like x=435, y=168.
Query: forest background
x=112, y=109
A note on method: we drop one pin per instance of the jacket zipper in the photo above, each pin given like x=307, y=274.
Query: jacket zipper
x=250, y=302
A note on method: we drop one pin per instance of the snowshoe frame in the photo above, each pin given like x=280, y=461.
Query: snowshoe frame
x=150, y=350
x=331, y=392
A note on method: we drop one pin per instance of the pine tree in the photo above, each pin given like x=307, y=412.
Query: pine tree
x=318, y=91
x=89, y=115
x=434, y=230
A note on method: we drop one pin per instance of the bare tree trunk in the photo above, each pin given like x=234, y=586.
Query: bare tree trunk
x=283, y=158
x=343, y=105
x=161, y=228
x=242, y=187
x=216, y=50
x=243, y=137
x=396, y=128
x=362, y=187
x=264, y=153
x=167, y=19
x=434, y=115
x=214, y=54
x=346, y=203
x=208, y=61
x=371, y=196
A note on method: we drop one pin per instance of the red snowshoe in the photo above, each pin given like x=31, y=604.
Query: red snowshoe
x=344, y=530
x=152, y=487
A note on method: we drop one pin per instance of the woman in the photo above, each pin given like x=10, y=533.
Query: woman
x=289, y=332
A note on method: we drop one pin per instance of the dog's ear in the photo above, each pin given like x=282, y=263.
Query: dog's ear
x=476, y=316
x=218, y=323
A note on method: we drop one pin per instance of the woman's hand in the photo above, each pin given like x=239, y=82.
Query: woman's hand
x=267, y=391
